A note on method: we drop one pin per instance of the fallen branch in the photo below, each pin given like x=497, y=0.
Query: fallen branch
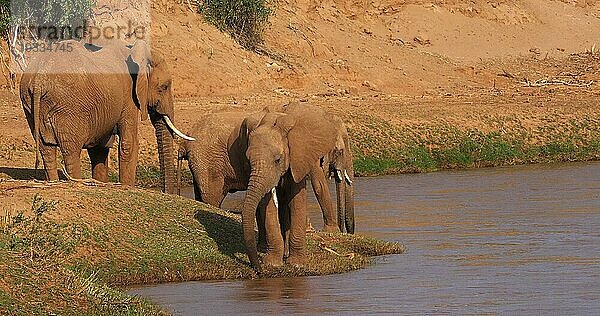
x=324, y=247
x=545, y=82
x=506, y=74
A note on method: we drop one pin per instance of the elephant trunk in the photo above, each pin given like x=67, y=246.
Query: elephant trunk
x=349, y=202
x=345, y=200
x=340, y=189
x=257, y=189
x=166, y=156
x=349, y=192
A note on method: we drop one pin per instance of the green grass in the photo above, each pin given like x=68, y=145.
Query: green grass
x=74, y=246
x=474, y=149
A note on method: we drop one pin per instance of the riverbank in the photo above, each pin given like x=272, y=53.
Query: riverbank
x=69, y=248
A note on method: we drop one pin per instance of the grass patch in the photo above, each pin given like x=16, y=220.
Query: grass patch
x=68, y=248
x=473, y=149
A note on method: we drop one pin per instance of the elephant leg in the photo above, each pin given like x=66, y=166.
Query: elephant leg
x=297, y=234
x=99, y=159
x=273, y=237
x=213, y=192
x=261, y=212
x=48, y=154
x=284, y=218
x=321, y=189
x=72, y=158
x=128, y=151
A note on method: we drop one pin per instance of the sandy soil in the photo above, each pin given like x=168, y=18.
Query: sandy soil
x=468, y=64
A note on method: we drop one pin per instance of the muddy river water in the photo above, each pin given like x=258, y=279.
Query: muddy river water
x=516, y=240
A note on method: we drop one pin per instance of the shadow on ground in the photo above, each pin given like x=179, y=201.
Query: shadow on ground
x=225, y=231
x=26, y=173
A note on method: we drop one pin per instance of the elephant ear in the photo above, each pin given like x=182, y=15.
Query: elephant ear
x=252, y=121
x=140, y=55
x=309, y=138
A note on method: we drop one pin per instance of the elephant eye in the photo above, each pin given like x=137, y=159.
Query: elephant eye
x=277, y=159
x=164, y=87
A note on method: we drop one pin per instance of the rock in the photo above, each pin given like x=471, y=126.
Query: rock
x=422, y=41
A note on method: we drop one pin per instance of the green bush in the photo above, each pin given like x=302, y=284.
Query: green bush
x=32, y=13
x=244, y=20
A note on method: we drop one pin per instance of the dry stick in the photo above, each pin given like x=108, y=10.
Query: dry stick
x=506, y=74
x=7, y=73
x=349, y=255
x=296, y=30
x=544, y=82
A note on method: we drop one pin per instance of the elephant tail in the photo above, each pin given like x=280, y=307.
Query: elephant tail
x=35, y=107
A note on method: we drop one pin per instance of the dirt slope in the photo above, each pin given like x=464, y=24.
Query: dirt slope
x=403, y=47
x=399, y=72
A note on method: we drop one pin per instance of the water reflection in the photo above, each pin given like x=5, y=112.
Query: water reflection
x=274, y=289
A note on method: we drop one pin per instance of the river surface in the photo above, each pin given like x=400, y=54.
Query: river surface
x=518, y=240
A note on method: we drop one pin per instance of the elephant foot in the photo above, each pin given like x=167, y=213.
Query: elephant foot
x=331, y=229
x=295, y=260
x=273, y=260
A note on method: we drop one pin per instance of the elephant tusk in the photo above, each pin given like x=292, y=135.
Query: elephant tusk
x=175, y=130
x=274, y=195
x=347, y=178
x=338, y=175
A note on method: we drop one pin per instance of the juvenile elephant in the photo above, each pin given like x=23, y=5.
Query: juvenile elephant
x=81, y=99
x=283, y=150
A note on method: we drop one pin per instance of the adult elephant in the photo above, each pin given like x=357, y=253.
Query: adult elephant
x=283, y=151
x=81, y=99
x=337, y=163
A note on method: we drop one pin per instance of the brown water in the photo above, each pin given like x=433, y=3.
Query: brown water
x=518, y=240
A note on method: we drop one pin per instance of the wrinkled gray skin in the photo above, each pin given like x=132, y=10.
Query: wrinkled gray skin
x=82, y=99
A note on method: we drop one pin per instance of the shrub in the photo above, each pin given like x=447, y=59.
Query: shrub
x=56, y=13
x=244, y=20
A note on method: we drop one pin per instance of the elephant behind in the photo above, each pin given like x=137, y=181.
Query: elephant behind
x=337, y=163
x=81, y=99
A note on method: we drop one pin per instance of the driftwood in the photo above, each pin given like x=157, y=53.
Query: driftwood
x=547, y=82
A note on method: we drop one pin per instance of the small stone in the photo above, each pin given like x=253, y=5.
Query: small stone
x=422, y=41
